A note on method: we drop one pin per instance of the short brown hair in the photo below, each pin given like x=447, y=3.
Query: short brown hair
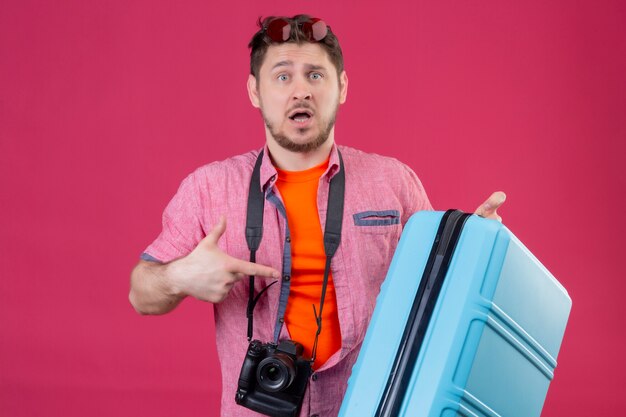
x=260, y=42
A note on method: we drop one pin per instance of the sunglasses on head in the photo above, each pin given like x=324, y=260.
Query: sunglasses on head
x=279, y=29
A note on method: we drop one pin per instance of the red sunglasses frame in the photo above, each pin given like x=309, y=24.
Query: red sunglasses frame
x=279, y=29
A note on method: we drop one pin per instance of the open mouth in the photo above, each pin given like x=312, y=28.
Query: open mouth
x=300, y=115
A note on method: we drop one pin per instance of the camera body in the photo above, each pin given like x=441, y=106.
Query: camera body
x=273, y=378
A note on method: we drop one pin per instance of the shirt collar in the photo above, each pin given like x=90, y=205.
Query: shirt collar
x=269, y=173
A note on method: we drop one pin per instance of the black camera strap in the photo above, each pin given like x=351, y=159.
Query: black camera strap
x=332, y=235
x=254, y=233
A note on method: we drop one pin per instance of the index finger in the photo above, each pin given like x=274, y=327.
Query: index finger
x=250, y=268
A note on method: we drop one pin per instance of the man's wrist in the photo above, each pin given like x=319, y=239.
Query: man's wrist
x=172, y=278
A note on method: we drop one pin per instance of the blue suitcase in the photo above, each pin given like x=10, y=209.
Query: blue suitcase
x=467, y=323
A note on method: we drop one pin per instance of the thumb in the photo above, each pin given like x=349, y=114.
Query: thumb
x=489, y=207
x=216, y=233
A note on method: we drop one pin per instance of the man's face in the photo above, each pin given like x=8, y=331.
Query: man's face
x=298, y=93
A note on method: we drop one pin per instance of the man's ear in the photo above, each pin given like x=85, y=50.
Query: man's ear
x=253, y=92
x=343, y=87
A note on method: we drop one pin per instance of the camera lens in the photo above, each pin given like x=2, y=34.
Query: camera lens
x=275, y=373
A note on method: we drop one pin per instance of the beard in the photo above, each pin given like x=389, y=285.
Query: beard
x=291, y=145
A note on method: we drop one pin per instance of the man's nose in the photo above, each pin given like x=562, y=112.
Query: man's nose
x=301, y=89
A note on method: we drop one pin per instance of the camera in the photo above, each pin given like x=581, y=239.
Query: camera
x=273, y=378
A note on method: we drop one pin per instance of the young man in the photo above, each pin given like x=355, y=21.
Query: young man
x=298, y=83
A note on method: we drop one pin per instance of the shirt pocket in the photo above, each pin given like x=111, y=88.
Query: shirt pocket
x=380, y=221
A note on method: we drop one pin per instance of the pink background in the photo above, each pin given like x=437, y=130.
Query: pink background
x=106, y=106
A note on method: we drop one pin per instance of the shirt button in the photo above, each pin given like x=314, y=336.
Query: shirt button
x=314, y=377
x=286, y=277
x=287, y=239
x=282, y=319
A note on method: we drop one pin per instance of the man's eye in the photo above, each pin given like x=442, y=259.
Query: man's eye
x=283, y=77
x=316, y=76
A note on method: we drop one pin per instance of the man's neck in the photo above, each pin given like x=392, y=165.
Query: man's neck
x=298, y=161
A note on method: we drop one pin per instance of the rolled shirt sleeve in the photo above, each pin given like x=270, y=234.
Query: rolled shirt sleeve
x=182, y=224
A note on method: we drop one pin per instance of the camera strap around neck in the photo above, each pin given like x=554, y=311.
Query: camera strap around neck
x=332, y=235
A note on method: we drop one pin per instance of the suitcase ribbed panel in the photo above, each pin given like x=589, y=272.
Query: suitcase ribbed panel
x=492, y=343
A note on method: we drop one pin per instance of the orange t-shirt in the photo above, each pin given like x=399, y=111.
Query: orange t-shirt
x=299, y=192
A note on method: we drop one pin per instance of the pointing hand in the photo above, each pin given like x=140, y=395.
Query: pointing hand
x=209, y=274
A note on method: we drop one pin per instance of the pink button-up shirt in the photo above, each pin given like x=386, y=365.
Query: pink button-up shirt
x=381, y=194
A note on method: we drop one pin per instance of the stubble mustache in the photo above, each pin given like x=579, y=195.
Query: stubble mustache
x=289, y=144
